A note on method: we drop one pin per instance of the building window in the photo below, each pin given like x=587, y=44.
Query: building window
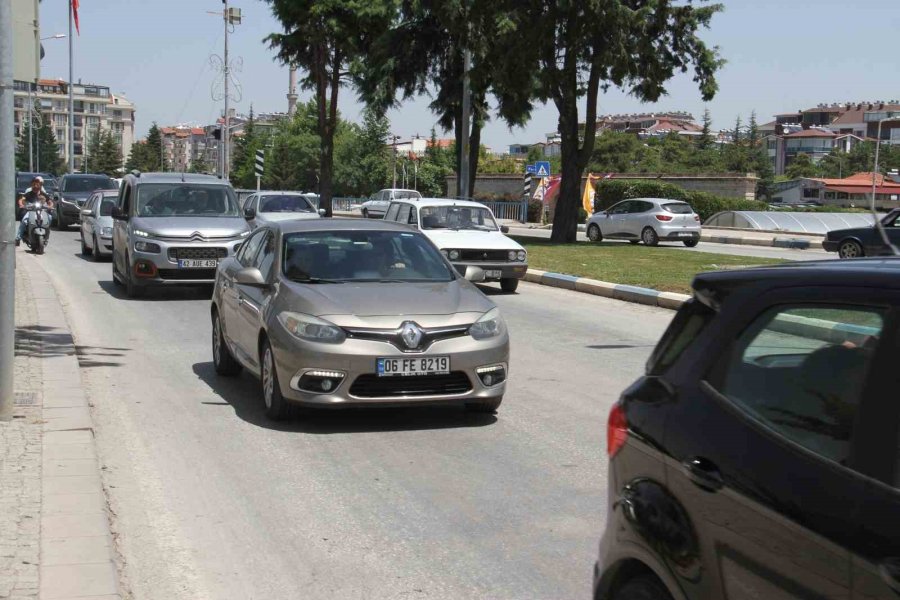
x=117, y=114
x=60, y=133
x=810, y=192
x=77, y=149
x=19, y=102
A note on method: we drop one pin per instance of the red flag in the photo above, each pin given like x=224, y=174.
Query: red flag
x=75, y=15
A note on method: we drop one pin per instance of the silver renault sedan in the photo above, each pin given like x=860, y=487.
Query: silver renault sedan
x=335, y=313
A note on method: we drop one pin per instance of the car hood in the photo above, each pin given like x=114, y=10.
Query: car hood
x=474, y=240
x=273, y=217
x=175, y=227
x=75, y=195
x=388, y=304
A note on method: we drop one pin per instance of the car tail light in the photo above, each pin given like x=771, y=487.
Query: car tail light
x=697, y=218
x=616, y=430
x=663, y=218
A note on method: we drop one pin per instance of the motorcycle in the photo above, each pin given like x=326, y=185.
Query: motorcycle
x=37, y=233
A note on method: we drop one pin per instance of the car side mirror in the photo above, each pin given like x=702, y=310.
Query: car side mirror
x=504, y=229
x=321, y=212
x=86, y=212
x=249, y=213
x=118, y=215
x=474, y=274
x=251, y=277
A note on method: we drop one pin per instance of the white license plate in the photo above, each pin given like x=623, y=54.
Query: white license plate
x=188, y=263
x=493, y=273
x=685, y=234
x=405, y=367
x=39, y=231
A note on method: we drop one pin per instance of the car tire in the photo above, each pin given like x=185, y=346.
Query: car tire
x=594, y=234
x=690, y=243
x=131, y=289
x=642, y=588
x=85, y=251
x=58, y=222
x=116, y=278
x=649, y=237
x=38, y=246
x=95, y=250
x=851, y=249
x=485, y=406
x=223, y=361
x=509, y=284
x=277, y=408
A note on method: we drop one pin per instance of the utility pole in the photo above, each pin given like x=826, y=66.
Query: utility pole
x=231, y=17
x=394, y=139
x=225, y=131
x=7, y=215
x=70, y=143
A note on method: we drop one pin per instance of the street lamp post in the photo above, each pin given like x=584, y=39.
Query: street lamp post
x=31, y=101
x=394, y=139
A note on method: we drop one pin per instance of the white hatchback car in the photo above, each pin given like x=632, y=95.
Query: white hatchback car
x=467, y=234
x=377, y=205
x=648, y=220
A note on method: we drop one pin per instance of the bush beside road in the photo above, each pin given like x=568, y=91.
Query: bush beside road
x=661, y=269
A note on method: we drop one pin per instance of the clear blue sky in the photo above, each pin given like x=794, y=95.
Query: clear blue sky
x=782, y=55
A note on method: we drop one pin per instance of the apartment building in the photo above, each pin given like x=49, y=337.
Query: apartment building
x=183, y=145
x=94, y=107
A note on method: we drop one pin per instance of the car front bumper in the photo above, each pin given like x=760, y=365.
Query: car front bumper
x=507, y=270
x=162, y=269
x=356, y=360
x=830, y=245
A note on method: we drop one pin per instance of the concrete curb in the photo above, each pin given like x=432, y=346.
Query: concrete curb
x=606, y=289
x=76, y=548
x=793, y=243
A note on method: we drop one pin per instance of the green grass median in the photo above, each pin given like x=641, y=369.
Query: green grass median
x=668, y=269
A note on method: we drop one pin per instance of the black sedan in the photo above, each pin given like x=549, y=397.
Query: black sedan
x=864, y=241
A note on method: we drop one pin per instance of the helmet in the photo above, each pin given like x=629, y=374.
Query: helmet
x=37, y=178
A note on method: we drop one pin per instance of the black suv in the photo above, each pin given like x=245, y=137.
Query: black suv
x=74, y=190
x=759, y=457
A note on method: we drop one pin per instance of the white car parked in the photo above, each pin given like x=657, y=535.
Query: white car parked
x=648, y=220
x=377, y=205
x=270, y=207
x=467, y=234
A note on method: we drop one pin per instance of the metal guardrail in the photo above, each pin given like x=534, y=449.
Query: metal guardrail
x=346, y=204
x=508, y=211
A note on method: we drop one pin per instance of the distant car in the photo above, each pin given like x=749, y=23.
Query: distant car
x=864, y=241
x=270, y=207
x=97, y=224
x=758, y=457
x=344, y=312
x=23, y=184
x=648, y=220
x=377, y=205
x=74, y=190
x=173, y=229
x=467, y=234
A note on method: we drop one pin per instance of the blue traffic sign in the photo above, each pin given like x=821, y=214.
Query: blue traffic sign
x=542, y=168
x=530, y=169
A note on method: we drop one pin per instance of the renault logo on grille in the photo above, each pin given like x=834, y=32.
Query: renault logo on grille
x=198, y=237
x=411, y=334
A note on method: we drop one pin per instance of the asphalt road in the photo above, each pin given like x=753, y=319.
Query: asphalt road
x=730, y=249
x=211, y=501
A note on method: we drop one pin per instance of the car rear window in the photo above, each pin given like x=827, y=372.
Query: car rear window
x=89, y=184
x=679, y=208
x=688, y=324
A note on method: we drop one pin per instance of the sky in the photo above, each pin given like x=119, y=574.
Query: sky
x=783, y=55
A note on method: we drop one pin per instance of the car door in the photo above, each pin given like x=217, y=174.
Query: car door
x=762, y=445
x=120, y=228
x=876, y=547
x=892, y=227
x=231, y=294
x=251, y=301
x=613, y=225
x=635, y=220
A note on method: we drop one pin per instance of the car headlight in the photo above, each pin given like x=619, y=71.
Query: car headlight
x=512, y=255
x=310, y=328
x=245, y=233
x=105, y=231
x=489, y=325
x=147, y=247
x=521, y=255
x=453, y=254
x=140, y=233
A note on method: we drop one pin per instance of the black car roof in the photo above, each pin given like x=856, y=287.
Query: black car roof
x=860, y=272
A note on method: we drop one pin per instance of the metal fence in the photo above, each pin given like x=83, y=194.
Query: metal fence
x=346, y=204
x=509, y=211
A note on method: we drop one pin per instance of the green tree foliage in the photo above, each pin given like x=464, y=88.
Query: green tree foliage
x=103, y=154
x=46, y=154
x=801, y=166
x=146, y=155
x=243, y=165
x=363, y=157
x=327, y=39
x=583, y=47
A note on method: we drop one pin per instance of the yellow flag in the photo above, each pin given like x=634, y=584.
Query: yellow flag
x=587, y=200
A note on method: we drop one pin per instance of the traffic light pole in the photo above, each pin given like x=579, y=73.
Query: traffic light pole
x=7, y=215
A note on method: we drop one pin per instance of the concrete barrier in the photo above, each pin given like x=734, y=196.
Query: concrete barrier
x=606, y=289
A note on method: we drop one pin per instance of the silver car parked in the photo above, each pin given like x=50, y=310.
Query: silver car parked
x=97, y=224
x=648, y=220
x=335, y=313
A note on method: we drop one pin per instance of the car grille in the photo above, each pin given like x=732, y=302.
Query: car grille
x=185, y=274
x=373, y=386
x=490, y=255
x=392, y=336
x=197, y=253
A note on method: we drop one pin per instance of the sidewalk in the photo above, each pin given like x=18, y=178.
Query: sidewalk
x=55, y=540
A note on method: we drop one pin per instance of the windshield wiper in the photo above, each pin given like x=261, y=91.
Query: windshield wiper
x=317, y=280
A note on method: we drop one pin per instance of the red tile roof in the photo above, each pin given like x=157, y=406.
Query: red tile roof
x=854, y=113
x=861, y=183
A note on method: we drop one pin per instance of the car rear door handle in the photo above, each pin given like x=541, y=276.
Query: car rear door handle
x=703, y=473
x=890, y=573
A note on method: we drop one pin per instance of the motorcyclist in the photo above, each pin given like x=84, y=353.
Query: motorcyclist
x=35, y=194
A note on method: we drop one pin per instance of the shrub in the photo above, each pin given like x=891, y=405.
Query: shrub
x=534, y=211
x=706, y=204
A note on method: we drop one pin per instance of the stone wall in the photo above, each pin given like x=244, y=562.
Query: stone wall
x=729, y=185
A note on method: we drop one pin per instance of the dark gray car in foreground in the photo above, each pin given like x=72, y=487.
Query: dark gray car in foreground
x=336, y=313
x=864, y=241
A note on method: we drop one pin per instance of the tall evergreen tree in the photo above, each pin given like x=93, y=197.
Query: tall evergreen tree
x=705, y=140
x=153, y=158
x=44, y=146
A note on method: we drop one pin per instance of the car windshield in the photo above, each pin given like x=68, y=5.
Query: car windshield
x=106, y=206
x=285, y=204
x=679, y=208
x=406, y=194
x=89, y=184
x=185, y=200
x=362, y=256
x=457, y=217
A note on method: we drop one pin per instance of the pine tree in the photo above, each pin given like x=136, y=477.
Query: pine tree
x=153, y=150
x=44, y=146
x=705, y=141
